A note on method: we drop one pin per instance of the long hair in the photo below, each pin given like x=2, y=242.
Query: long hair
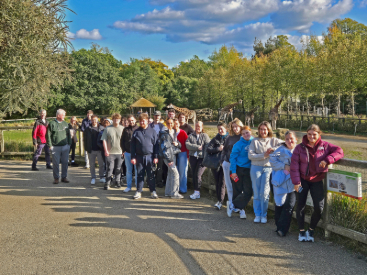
x=314, y=127
x=230, y=128
x=267, y=124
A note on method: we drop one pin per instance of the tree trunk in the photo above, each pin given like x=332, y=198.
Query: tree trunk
x=338, y=109
x=352, y=100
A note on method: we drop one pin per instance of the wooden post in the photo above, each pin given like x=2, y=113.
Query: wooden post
x=2, y=147
x=81, y=143
x=326, y=213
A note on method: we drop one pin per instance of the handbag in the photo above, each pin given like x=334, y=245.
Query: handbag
x=211, y=161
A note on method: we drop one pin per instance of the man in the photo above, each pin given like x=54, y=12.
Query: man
x=171, y=113
x=85, y=124
x=39, y=140
x=125, y=145
x=144, y=154
x=59, y=141
x=112, y=149
x=183, y=125
x=162, y=169
x=91, y=146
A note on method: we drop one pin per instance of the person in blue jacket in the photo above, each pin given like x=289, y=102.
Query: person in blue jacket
x=284, y=194
x=240, y=173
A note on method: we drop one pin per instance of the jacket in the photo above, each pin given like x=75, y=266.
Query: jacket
x=126, y=138
x=239, y=155
x=166, y=148
x=306, y=160
x=187, y=128
x=58, y=134
x=85, y=124
x=193, y=143
x=281, y=179
x=88, y=136
x=228, y=145
x=215, y=143
x=182, y=137
x=144, y=142
x=161, y=126
x=259, y=146
x=39, y=131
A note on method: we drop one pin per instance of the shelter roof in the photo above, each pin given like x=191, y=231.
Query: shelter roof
x=143, y=103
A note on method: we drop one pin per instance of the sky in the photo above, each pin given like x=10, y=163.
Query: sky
x=175, y=30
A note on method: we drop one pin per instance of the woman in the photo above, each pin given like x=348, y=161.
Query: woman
x=259, y=152
x=181, y=158
x=234, y=136
x=240, y=169
x=106, y=122
x=216, y=146
x=73, y=126
x=309, y=164
x=195, y=144
x=284, y=195
x=169, y=147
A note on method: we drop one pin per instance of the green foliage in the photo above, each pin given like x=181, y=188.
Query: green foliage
x=33, y=36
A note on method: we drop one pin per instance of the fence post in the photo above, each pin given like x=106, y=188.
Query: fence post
x=81, y=143
x=2, y=146
x=326, y=213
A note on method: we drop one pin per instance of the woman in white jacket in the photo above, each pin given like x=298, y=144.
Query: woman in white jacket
x=259, y=152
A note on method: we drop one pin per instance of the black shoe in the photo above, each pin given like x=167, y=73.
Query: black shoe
x=118, y=186
x=49, y=167
x=74, y=164
x=160, y=185
x=35, y=169
x=280, y=233
x=106, y=187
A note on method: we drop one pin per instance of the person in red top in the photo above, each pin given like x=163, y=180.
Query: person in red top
x=182, y=158
x=309, y=164
x=39, y=140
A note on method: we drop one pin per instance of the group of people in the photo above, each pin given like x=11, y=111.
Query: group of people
x=243, y=166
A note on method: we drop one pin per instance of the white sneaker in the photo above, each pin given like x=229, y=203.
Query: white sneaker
x=216, y=204
x=93, y=181
x=195, y=196
x=154, y=195
x=102, y=180
x=302, y=237
x=242, y=214
x=137, y=195
x=219, y=206
x=236, y=210
x=127, y=190
x=257, y=219
x=178, y=196
x=309, y=235
x=229, y=208
x=264, y=219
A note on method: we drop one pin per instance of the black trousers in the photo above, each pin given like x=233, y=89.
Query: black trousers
x=72, y=149
x=317, y=193
x=197, y=171
x=242, y=189
x=220, y=185
x=144, y=164
x=161, y=172
x=283, y=214
x=114, y=162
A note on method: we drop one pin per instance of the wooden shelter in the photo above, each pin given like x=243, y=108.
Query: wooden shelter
x=143, y=103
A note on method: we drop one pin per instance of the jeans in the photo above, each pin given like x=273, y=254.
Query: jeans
x=226, y=171
x=39, y=152
x=260, y=177
x=283, y=214
x=92, y=156
x=129, y=171
x=114, y=161
x=220, y=186
x=173, y=179
x=144, y=164
x=317, y=194
x=86, y=159
x=60, y=153
x=242, y=189
x=197, y=171
x=72, y=149
x=182, y=170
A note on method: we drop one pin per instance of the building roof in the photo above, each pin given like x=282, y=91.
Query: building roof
x=143, y=103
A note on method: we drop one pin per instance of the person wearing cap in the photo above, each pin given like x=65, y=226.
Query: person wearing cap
x=162, y=169
x=125, y=145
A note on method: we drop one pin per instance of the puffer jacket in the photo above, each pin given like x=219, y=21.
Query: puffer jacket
x=306, y=160
x=193, y=144
x=39, y=131
x=166, y=148
x=281, y=180
x=215, y=143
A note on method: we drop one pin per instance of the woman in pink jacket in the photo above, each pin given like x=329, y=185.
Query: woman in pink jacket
x=309, y=164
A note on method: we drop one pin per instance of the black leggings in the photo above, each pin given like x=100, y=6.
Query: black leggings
x=220, y=185
x=198, y=169
x=283, y=214
x=72, y=149
x=242, y=189
x=317, y=194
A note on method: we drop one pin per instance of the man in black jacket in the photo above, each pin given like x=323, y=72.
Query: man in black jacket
x=94, y=151
x=183, y=125
x=85, y=124
x=144, y=154
x=125, y=145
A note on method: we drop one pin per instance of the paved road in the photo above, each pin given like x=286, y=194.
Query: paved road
x=78, y=229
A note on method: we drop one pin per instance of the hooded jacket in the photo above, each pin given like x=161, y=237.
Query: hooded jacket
x=39, y=131
x=239, y=155
x=166, y=148
x=195, y=141
x=306, y=160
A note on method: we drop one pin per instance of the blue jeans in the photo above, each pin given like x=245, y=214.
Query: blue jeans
x=129, y=171
x=182, y=170
x=260, y=177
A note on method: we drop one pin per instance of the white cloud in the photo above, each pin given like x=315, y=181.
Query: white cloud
x=363, y=3
x=84, y=34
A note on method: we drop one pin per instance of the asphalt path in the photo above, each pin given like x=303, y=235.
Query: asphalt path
x=77, y=228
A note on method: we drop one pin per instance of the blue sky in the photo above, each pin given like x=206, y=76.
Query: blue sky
x=176, y=30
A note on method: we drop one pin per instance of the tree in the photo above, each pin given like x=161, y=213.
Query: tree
x=33, y=39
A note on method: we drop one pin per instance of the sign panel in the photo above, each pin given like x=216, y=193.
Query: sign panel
x=345, y=183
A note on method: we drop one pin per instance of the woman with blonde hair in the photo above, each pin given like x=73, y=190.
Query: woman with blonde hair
x=259, y=152
x=234, y=129
x=73, y=126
